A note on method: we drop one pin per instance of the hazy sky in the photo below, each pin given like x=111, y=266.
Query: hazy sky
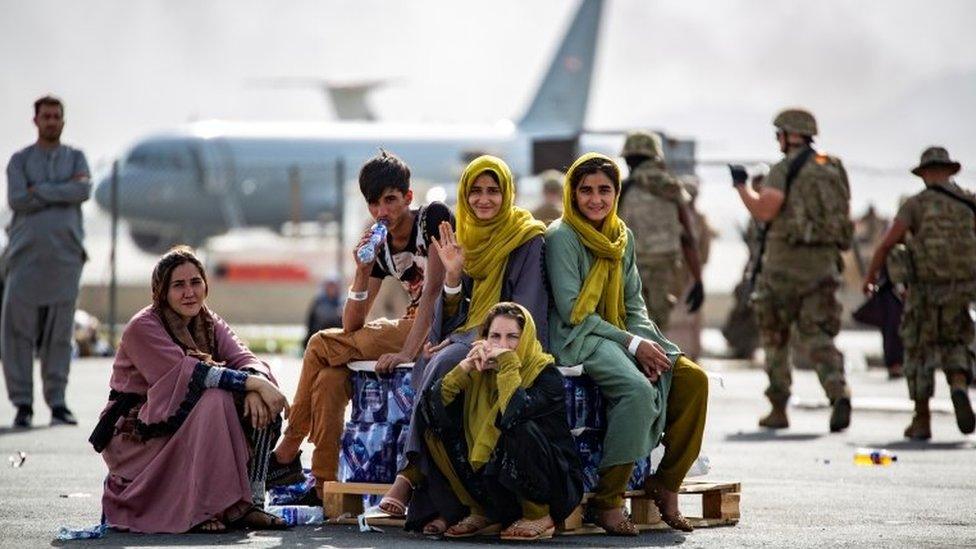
x=885, y=77
x=716, y=71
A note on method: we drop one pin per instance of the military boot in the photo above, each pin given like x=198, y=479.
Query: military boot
x=776, y=419
x=921, y=426
x=965, y=418
x=840, y=417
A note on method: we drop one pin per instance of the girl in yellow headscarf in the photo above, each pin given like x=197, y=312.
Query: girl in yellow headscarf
x=599, y=320
x=496, y=255
x=495, y=426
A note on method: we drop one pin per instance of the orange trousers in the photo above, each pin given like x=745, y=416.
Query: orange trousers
x=319, y=406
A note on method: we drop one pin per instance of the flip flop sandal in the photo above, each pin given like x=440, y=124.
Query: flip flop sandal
x=276, y=523
x=480, y=526
x=534, y=527
x=201, y=528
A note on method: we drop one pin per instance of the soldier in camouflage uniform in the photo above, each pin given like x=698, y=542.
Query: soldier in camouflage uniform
x=795, y=294
x=551, y=208
x=939, y=227
x=654, y=205
x=684, y=327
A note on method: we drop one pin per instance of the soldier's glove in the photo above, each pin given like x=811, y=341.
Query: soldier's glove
x=696, y=296
x=739, y=175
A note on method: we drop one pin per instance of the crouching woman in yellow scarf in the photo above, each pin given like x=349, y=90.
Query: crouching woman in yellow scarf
x=496, y=429
x=495, y=256
x=599, y=320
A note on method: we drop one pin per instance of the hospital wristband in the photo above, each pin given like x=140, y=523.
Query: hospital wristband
x=357, y=296
x=634, y=344
x=452, y=290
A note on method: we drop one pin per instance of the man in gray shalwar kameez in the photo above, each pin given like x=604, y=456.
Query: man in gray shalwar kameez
x=46, y=184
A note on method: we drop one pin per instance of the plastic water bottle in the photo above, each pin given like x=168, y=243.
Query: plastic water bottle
x=367, y=252
x=874, y=456
x=297, y=515
x=93, y=532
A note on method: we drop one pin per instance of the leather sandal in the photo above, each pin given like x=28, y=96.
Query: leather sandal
x=536, y=529
x=208, y=527
x=624, y=527
x=473, y=525
x=676, y=521
x=392, y=506
x=245, y=520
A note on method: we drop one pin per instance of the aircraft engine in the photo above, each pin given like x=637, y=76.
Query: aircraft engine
x=157, y=242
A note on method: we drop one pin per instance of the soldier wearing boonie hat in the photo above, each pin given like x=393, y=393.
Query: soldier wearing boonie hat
x=938, y=265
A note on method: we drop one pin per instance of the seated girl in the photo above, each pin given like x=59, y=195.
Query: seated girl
x=495, y=428
x=192, y=415
x=599, y=320
x=495, y=256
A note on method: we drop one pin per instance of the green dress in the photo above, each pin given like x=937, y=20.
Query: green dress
x=635, y=406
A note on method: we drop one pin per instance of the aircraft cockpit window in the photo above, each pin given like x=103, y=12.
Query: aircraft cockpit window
x=161, y=156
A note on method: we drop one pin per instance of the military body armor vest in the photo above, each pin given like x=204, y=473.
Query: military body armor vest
x=817, y=212
x=944, y=248
x=649, y=214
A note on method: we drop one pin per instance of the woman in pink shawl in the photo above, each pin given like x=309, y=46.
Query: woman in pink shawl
x=191, y=417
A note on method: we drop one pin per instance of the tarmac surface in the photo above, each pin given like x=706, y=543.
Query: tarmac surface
x=800, y=487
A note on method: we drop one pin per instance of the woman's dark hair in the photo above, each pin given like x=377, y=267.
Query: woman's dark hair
x=383, y=171
x=491, y=174
x=163, y=271
x=592, y=166
x=506, y=309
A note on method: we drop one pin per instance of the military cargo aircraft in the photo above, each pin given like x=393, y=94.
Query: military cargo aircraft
x=208, y=177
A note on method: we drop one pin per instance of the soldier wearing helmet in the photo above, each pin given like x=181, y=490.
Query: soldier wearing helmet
x=655, y=206
x=551, y=208
x=805, y=201
x=936, y=328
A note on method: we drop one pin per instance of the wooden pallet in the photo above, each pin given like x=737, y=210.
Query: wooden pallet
x=343, y=502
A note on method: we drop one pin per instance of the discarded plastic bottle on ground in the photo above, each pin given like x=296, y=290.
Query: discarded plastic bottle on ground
x=93, y=532
x=874, y=456
x=367, y=252
x=297, y=515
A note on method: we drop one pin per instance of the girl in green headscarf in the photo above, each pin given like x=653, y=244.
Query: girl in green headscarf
x=599, y=320
x=495, y=426
x=496, y=255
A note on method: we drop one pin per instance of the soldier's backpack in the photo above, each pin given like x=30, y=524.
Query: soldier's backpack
x=652, y=215
x=944, y=248
x=819, y=205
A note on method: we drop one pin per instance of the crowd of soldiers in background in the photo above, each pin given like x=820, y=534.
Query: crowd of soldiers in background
x=918, y=271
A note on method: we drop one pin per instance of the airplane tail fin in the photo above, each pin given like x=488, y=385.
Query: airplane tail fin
x=351, y=99
x=559, y=105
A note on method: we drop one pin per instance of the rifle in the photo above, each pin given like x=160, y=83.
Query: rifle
x=791, y=173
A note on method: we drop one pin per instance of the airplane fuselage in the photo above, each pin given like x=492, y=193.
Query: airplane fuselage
x=208, y=177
